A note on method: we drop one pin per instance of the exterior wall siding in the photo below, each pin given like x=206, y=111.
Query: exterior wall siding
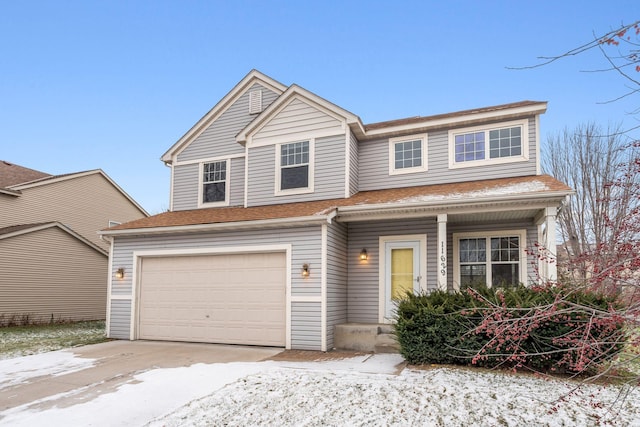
x=120, y=319
x=85, y=204
x=363, y=283
x=354, y=171
x=51, y=275
x=329, y=173
x=185, y=187
x=306, y=248
x=374, y=164
x=219, y=139
x=305, y=325
x=297, y=120
x=337, y=272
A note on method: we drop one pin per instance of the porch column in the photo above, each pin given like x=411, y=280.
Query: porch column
x=550, y=243
x=442, y=252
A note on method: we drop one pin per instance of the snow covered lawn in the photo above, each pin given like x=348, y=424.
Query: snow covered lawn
x=363, y=390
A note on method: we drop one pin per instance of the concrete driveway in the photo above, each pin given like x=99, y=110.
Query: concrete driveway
x=116, y=363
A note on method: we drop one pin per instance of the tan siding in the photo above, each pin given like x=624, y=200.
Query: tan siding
x=86, y=204
x=50, y=273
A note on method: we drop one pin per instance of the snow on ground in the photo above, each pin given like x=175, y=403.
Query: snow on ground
x=21, y=369
x=366, y=390
x=510, y=189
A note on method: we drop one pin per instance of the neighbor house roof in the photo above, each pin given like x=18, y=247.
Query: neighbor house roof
x=519, y=188
x=18, y=230
x=12, y=174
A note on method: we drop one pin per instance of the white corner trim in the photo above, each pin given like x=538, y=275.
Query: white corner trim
x=347, y=162
x=538, y=142
x=323, y=290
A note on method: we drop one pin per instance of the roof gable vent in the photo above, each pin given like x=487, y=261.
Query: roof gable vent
x=255, y=101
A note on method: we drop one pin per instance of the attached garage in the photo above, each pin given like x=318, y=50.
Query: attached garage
x=237, y=298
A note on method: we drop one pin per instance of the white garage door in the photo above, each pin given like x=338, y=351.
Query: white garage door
x=231, y=299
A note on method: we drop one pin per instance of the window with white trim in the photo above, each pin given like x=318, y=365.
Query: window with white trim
x=214, y=182
x=407, y=154
x=295, y=166
x=502, y=143
x=494, y=259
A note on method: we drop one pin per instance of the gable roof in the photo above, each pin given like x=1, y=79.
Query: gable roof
x=294, y=91
x=249, y=80
x=51, y=179
x=432, y=197
x=18, y=230
x=12, y=174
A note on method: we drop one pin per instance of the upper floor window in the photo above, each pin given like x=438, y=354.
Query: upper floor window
x=295, y=163
x=407, y=154
x=491, y=259
x=214, y=182
x=502, y=143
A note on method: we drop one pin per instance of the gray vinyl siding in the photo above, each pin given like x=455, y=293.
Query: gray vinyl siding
x=306, y=249
x=354, y=171
x=236, y=182
x=219, y=139
x=185, y=187
x=49, y=274
x=336, y=278
x=120, y=319
x=374, y=164
x=363, y=280
x=306, y=325
x=296, y=120
x=329, y=173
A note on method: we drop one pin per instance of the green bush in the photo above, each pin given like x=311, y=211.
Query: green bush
x=553, y=328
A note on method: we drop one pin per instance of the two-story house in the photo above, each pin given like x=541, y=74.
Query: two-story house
x=289, y=217
x=53, y=263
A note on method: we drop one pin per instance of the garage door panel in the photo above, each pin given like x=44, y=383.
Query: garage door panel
x=237, y=299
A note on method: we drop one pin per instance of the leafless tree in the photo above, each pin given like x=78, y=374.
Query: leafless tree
x=589, y=159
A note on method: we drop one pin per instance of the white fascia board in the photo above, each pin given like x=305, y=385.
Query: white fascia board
x=254, y=75
x=238, y=225
x=10, y=192
x=536, y=109
x=440, y=206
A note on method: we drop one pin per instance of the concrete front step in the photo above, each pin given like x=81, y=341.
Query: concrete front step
x=365, y=337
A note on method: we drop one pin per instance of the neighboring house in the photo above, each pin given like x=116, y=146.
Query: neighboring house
x=53, y=263
x=290, y=217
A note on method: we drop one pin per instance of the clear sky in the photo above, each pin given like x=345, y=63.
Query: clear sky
x=113, y=84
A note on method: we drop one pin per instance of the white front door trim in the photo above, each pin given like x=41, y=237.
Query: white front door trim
x=421, y=239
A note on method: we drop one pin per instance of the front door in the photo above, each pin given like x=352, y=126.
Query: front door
x=404, y=271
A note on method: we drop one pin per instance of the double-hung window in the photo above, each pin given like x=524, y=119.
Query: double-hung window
x=214, y=177
x=407, y=154
x=492, y=260
x=506, y=142
x=295, y=163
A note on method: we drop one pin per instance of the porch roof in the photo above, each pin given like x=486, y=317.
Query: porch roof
x=438, y=197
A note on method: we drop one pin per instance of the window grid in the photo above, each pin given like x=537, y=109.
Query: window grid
x=502, y=261
x=214, y=182
x=408, y=154
x=294, y=154
x=503, y=143
x=294, y=166
x=215, y=172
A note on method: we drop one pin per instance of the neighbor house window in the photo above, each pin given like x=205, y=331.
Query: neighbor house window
x=505, y=143
x=408, y=154
x=295, y=163
x=494, y=260
x=214, y=182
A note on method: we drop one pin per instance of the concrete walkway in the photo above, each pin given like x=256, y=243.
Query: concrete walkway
x=115, y=364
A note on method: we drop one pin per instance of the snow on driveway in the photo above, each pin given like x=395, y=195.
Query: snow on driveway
x=365, y=390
